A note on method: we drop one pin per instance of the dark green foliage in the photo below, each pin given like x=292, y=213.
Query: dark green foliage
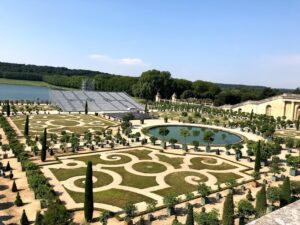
x=175, y=221
x=129, y=210
x=7, y=108
x=285, y=192
x=261, y=201
x=39, y=218
x=44, y=146
x=245, y=208
x=190, y=215
x=14, y=187
x=249, y=196
x=141, y=221
x=24, y=220
x=207, y=218
x=86, y=108
x=18, y=201
x=26, y=128
x=88, y=195
x=145, y=86
x=56, y=214
x=228, y=211
x=257, y=165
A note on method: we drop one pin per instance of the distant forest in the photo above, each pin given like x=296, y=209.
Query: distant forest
x=145, y=86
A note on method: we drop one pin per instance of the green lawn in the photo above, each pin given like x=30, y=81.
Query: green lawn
x=197, y=164
x=133, y=180
x=115, y=197
x=32, y=83
x=179, y=185
x=141, y=154
x=57, y=123
x=224, y=177
x=174, y=161
x=95, y=159
x=149, y=167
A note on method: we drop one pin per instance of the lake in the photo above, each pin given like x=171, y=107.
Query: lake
x=23, y=92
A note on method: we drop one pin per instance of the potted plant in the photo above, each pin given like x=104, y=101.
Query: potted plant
x=203, y=191
x=294, y=163
x=170, y=200
x=130, y=211
x=184, y=133
x=208, y=137
x=173, y=141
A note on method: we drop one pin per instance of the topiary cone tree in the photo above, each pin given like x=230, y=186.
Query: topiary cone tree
x=190, y=216
x=88, y=195
x=86, y=108
x=261, y=201
x=7, y=108
x=39, y=218
x=18, y=201
x=228, y=211
x=26, y=127
x=257, y=165
x=285, y=192
x=14, y=187
x=24, y=219
x=44, y=146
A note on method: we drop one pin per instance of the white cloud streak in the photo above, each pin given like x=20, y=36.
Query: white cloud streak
x=123, y=61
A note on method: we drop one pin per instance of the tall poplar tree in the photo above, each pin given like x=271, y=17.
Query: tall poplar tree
x=88, y=195
x=228, y=211
x=261, y=201
x=26, y=128
x=257, y=165
x=44, y=146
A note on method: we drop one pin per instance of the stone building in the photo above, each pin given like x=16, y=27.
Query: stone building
x=287, y=105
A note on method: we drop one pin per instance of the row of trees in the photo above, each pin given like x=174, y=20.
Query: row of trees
x=146, y=86
x=56, y=212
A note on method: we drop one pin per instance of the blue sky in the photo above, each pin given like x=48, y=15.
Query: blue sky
x=247, y=42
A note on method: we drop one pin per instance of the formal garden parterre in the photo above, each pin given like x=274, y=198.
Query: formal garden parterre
x=142, y=175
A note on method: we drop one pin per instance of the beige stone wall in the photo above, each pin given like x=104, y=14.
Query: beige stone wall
x=283, y=105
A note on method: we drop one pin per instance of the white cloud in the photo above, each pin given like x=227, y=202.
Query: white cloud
x=131, y=61
x=123, y=61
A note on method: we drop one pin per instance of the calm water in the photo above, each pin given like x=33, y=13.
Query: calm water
x=220, y=138
x=23, y=92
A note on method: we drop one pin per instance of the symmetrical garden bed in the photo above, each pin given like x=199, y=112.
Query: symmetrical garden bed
x=139, y=175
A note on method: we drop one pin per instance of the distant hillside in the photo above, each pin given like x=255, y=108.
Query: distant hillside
x=146, y=86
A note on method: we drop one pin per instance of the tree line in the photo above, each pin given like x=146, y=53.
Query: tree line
x=146, y=86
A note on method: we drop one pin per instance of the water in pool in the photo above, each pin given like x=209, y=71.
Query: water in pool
x=220, y=137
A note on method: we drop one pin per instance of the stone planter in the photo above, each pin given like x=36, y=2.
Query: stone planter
x=184, y=147
x=263, y=164
x=274, y=178
x=270, y=208
x=150, y=217
x=249, y=159
x=293, y=172
x=227, y=153
x=243, y=188
x=5, y=156
x=231, y=191
x=203, y=201
x=218, y=196
x=207, y=148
